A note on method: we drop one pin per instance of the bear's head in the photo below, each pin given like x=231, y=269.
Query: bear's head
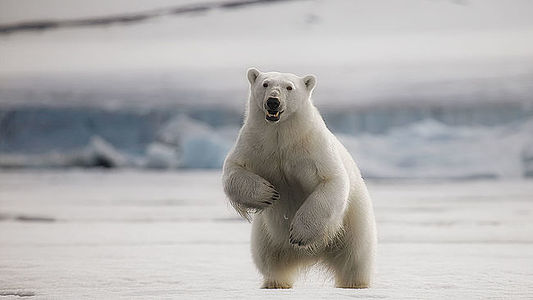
x=279, y=95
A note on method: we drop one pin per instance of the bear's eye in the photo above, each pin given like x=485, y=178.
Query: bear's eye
x=289, y=88
x=265, y=84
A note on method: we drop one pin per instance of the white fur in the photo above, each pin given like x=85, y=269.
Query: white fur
x=310, y=202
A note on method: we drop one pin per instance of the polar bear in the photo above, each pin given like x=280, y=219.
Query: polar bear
x=309, y=201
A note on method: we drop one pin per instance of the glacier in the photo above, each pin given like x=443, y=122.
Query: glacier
x=440, y=141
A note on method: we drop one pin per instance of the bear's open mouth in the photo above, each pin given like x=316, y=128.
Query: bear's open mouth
x=273, y=115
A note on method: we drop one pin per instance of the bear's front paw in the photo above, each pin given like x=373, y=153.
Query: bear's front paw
x=263, y=195
x=305, y=233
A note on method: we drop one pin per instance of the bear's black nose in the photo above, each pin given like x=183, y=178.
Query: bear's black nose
x=273, y=103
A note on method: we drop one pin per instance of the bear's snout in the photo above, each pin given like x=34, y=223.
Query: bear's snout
x=273, y=103
x=273, y=112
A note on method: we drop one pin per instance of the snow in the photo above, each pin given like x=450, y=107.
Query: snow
x=131, y=234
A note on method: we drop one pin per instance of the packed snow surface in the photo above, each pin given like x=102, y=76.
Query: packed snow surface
x=129, y=234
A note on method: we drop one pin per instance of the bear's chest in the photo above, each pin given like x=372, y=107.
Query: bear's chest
x=291, y=171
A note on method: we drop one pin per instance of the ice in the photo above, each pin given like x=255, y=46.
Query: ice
x=132, y=139
x=199, y=146
x=101, y=153
x=161, y=156
x=98, y=153
x=527, y=159
x=130, y=234
x=422, y=146
x=430, y=149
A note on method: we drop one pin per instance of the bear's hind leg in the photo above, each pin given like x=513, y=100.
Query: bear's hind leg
x=273, y=284
x=350, y=270
x=351, y=260
x=278, y=265
x=279, y=269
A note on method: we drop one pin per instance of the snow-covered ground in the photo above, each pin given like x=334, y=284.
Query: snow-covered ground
x=130, y=234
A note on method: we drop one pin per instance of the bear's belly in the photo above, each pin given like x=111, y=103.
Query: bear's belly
x=295, y=181
x=278, y=218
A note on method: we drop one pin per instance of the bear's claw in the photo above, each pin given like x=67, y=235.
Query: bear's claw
x=264, y=196
x=294, y=241
x=302, y=238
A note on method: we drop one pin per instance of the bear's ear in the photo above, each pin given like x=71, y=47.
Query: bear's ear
x=310, y=82
x=253, y=73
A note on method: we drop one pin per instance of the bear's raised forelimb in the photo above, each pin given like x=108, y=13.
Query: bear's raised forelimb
x=247, y=191
x=319, y=219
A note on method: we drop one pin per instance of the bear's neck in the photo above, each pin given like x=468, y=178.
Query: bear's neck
x=296, y=127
